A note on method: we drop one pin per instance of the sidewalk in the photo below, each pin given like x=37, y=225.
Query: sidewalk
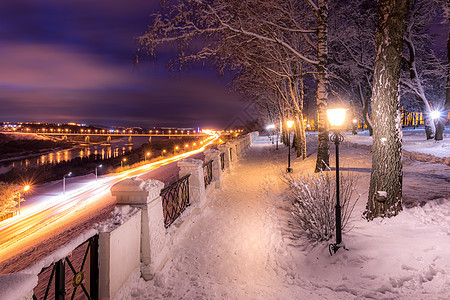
x=245, y=245
x=235, y=249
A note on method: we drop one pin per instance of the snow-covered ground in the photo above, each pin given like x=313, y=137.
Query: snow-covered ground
x=245, y=246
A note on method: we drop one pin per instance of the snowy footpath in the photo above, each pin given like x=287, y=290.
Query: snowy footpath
x=245, y=245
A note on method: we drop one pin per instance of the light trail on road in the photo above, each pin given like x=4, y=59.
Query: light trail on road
x=35, y=217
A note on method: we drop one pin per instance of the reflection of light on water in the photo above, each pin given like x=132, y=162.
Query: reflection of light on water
x=107, y=152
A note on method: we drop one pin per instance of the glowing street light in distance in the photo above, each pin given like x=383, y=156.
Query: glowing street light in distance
x=435, y=114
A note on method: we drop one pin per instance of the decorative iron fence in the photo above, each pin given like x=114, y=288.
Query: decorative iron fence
x=76, y=262
x=222, y=161
x=175, y=199
x=207, y=171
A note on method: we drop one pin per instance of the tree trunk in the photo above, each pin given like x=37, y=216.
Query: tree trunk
x=323, y=155
x=365, y=110
x=298, y=134
x=441, y=122
x=425, y=107
x=385, y=193
x=430, y=129
x=300, y=104
x=284, y=132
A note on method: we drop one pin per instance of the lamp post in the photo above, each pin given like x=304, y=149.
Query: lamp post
x=25, y=188
x=270, y=129
x=336, y=118
x=354, y=126
x=64, y=182
x=123, y=161
x=146, y=155
x=96, y=172
x=289, y=126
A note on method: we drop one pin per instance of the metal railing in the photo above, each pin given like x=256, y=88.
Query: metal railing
x=222, y=161
x=175, y=199
x=207, y=172
x=76, y=262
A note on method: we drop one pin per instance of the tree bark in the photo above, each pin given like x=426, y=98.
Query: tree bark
x=323, y=155
x=441, y=122
x=425, y=107
x=365, y=110
x=385, y=193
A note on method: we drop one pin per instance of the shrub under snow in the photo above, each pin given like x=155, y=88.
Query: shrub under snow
x=313, y=201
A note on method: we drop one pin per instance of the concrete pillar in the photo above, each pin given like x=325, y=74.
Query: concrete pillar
x=196, y=180
x=119, y=254
x=145, y=194
x=233, y=155
x=214, y=155
x=238, y=148
x=224, y=148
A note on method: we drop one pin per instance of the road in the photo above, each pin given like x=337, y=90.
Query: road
x=51, y=207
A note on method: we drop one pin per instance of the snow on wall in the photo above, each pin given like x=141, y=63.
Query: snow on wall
x=119, y=250
x=17, y=286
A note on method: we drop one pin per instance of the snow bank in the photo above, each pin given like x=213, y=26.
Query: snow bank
x=121, y=214
x=17, y=286
x=245, y=244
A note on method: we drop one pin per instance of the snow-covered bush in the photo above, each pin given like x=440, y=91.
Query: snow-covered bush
x=9, y=196
x=313, y=201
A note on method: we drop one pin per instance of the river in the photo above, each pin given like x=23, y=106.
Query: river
x=116, y=148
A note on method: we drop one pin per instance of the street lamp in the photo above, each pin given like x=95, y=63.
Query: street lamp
x=435, y=115
x=146, y=155
x=96, y=173
x=123, y=161
x=336, y=118
x=64, y=182
x=25, y=188
x=289, y=125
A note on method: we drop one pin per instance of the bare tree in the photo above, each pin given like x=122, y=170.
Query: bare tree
x=9, y=197
x=213, y=26
x=385, y=193
x=424, y=71
x=352, y=44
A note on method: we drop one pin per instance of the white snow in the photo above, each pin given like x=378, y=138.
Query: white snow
x=121, y=214
x=382, y=193
x=17, y=286
x=246, y=246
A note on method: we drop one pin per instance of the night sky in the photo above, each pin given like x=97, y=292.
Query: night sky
x=72, y=61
